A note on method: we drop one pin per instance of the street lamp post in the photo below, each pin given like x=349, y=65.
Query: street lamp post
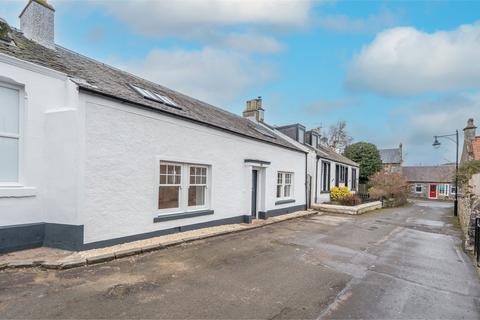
x=436, y=144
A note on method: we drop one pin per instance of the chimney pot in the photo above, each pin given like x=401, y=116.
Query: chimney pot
x=37, y=22
x=469, y=130
x=254, y=110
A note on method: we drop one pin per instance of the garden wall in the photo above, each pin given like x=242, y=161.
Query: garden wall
x=469, y=209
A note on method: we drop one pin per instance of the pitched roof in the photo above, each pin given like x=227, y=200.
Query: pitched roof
x=476, y=148
x=322, y=151
x=444, y=173
x=390, y=155
x=328, y=153
x=99, y=78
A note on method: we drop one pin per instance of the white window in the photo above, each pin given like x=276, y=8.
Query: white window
x=325, y=176
x=418, y=188
x=10, y=122
x=301, y=135
x=354, y=179
x=182, y=187
x=197, y=189
x=443, y=189
x=453, y=189
x=341, y=175
x=284, y=185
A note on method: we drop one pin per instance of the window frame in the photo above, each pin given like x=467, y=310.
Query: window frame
x=453, y=187
x=282, y=183
x=445, y=191
x=183, y=206
x=326, y=176
x=189, y=184
x=354, y=179
x=20, y=136
x=418, y=185
x=342, y=174
x=301, y=135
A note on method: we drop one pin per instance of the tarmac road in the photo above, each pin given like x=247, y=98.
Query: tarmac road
x=403, y=263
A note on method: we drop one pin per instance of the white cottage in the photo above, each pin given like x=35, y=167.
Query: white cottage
x=93, y=156
x=325, y=167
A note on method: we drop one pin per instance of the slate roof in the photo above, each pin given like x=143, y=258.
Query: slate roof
x=390, y=155
x=326, y=152
x=322, y=151
x=99, y=78
x=444, y=173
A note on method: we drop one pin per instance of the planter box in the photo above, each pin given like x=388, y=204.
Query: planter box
x=361, y=208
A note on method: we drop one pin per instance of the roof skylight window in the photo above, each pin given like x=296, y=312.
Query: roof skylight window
x=147, y=94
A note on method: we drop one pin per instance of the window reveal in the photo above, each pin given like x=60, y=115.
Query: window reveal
x=284, y=184
x=182, y=186
x=9, y=134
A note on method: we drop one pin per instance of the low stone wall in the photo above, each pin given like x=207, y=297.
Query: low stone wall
x=469, y=210
x=362, y=208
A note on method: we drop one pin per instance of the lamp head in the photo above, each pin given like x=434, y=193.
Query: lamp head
x=436, y=143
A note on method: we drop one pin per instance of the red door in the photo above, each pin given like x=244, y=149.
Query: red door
x=433, y=191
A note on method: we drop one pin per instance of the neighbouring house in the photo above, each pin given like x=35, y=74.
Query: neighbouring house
x=471, y=143
x=469, y=197
x=430, y=182
x=326, y=168
x=392, y=159
x=94, y=156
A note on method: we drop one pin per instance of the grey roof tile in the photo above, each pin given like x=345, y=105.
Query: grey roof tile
x=444, y=173
x=330, y=154
x=96, y=77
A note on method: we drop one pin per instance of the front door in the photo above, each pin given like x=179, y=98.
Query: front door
x=254, y=193
x=433, y=191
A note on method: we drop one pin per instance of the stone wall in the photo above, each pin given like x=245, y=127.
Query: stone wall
x=424, y=194
x=469, y=210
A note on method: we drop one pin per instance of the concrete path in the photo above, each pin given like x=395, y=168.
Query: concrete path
x=391, y=264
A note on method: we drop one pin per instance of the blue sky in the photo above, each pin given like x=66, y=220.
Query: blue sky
x=395, y=71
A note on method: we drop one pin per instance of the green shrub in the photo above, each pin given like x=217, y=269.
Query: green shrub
x=338, y=193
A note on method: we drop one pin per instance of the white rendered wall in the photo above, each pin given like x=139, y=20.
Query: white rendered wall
x=323, y=197
x=47, y=189
x=122, y=144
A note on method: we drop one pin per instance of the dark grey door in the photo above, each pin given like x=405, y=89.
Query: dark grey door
x=254, y=193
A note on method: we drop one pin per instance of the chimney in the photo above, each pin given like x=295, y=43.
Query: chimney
x=37, y=22
x=469, y=130
x=254, y=110
x=400, y=148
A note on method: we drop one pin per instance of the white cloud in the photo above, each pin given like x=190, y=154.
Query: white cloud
x=346, y=24
x=415, y=125
x=252, y=43
x=209, y=74
x=406, y=61
x=159, y=18
x=328, y=105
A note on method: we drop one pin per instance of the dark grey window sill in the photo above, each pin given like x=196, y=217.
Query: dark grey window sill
x=182, y=215
x=284, y=201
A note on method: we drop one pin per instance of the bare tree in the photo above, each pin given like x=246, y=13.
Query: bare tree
x=337, y=137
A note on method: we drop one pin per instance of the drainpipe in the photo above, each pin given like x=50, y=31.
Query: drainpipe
x=306, y=181
x=316, y=181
